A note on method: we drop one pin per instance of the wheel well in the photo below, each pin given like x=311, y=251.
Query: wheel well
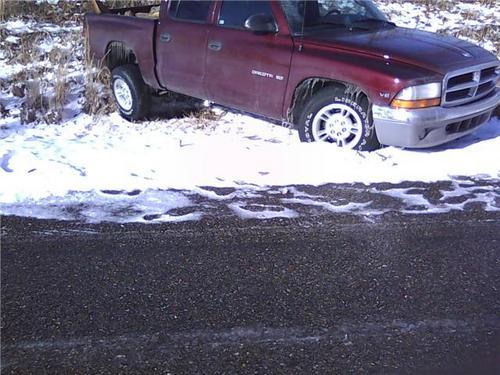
x=307, y=88
x=118, y=54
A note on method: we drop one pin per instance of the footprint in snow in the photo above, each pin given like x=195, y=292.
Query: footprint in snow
x=4, y=163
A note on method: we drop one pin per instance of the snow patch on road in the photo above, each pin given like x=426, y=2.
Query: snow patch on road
x=157, y=206
x=343, y=208
x=415, y=201
x=109, y=206
x=261, y=211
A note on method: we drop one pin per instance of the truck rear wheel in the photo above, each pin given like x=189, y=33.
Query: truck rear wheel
x=131, y=93
x=333, y=116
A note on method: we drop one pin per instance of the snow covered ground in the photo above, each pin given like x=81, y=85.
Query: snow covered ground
x=145, y=169
x=232, y=151
x=96, y=168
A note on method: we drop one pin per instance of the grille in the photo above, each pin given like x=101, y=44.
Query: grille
x=463, y=126
x=467, y=85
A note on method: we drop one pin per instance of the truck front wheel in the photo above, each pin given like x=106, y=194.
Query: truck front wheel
x=333, y=116
x=131, y=93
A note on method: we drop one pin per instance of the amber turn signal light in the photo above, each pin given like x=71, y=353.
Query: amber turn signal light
x=415, y=104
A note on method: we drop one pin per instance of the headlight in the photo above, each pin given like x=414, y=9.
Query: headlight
x=422, y=96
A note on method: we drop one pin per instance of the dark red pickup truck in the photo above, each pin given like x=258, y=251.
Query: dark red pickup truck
x=339, y=71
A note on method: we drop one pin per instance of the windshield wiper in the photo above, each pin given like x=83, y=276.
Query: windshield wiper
x=342, y=25
x=378, y=20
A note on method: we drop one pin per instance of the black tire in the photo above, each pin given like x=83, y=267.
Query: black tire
x=336, y=95
x=140, y=92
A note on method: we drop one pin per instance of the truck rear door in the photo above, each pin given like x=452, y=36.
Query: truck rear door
x=245, y=70
x=182, y=36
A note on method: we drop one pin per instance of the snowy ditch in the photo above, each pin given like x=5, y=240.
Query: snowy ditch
x=171, y=170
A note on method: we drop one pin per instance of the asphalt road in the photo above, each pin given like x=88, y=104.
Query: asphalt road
x=332, y=294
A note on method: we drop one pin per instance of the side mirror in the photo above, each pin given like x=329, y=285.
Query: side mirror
x=261, y=24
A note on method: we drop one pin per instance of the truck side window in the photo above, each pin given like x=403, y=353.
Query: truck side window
x=196, y=10
x=235, y=13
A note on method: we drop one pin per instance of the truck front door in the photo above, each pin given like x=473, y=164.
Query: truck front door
x=245, y=70
x=181, y=42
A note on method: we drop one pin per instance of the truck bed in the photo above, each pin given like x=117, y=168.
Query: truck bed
x=124, y=26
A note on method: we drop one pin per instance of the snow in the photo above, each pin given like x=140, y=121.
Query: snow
x=349, y=207
x=114, y=170
x=113, y=154
x=262, y=203
x=417, y=204
x=263, y=211
x=22, y=27
x=112, y=206
x=18, y=26
x=12, y=39
x=8, y=70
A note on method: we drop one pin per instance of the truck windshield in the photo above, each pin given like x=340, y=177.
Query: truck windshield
x=307, y=16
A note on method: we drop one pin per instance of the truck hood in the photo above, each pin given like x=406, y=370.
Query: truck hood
x=438, y=53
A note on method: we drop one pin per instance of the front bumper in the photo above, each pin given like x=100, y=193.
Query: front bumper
x=420, y=128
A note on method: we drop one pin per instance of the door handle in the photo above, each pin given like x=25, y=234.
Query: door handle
x=165, y=37
x=215, y=45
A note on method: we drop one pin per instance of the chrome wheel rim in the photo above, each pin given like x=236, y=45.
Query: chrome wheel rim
x=123, y=94
x=339, y=124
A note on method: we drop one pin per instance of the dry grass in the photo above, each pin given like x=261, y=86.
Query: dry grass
x=44, y=99
x=46, y=86
x=2, y=10
x=207, y=114
x=489, y=30
x=59, y=58
x=202, y=117
x=34, y=102
x=27, y=48
x=98, y=99
x=129, y=3
x=39, y=105
x=63, y=11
